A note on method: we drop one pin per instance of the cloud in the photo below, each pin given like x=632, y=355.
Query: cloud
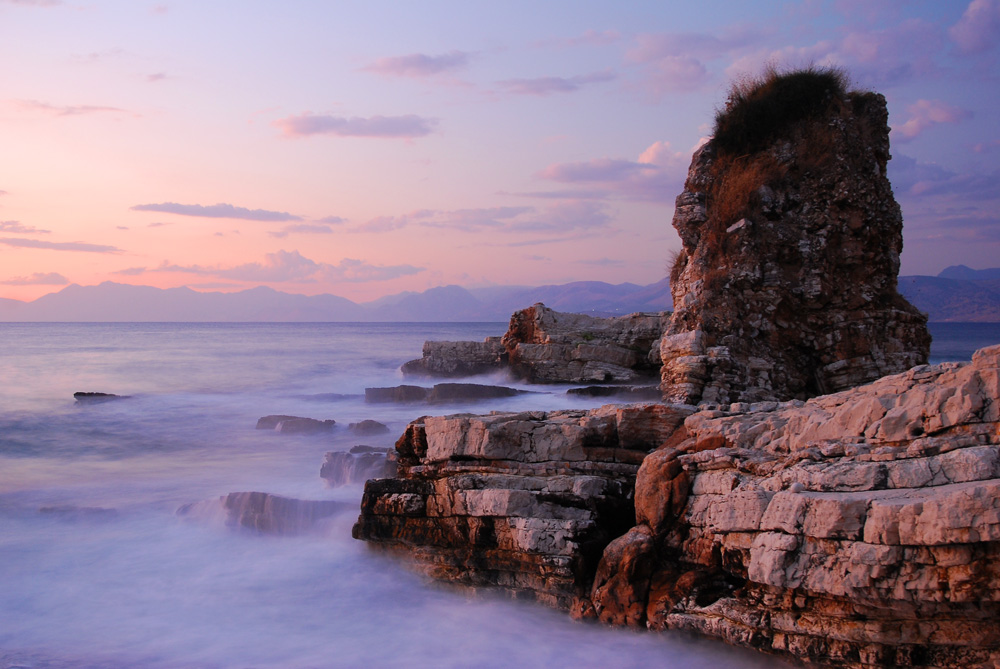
x=59, y=246
x=924, y=114
x=156, y=76
x=474, y=219
x=131, y=271
x=548, y=85
x=409, y=126
x=657, y=176
x=33, y=3
x=38, y=279
x=333, y=220
x=979, y=28
x=69, y=110
x=220, y=210
x=15, y=228
x=302, y=228
x=418, y=65
x=290, y=267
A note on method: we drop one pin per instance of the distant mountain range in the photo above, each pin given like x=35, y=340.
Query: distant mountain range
x=957, y=294
x=116, y=302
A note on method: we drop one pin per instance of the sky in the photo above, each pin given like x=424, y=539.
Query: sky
x=364, y=149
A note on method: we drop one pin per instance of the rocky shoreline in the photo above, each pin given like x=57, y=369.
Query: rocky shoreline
x=854, y=529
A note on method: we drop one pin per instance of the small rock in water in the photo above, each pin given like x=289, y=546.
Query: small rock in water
x=361, y=464
x=294, y=424
x=368, y=427
x=97, y=398
x=267, y=513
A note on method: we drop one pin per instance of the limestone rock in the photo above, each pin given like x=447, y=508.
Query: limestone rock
x=523, y=502
x=546, y=346
x=786, y=284
x=855, y=529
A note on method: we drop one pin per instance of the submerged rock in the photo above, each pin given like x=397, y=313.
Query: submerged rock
x=358, y=465
x=633, y=393
x=266, y=513
x=441, y=392
x=368, y=427
x=294, y=424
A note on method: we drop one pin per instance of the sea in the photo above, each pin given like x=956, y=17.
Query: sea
x=98, y=570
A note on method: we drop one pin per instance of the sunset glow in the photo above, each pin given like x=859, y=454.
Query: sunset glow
x=364, y=150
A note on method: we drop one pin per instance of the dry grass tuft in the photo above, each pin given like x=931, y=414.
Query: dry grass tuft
x=760, y=108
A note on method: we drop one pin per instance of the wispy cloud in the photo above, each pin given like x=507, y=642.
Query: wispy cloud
x=221, y=210
x=15, y=228
x=925, y=113
x=409, y=126
x=601, y=262
x=333, y=220
x=548, y=85
x=37, y=279
x=33, y=3
x=302, y=229
x=69, y=110
x=419, y=65
x=560, y=216
x=59, y=246
x=290, y=267
x=979, y=28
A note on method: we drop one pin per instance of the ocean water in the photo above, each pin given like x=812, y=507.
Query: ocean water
x=98, y=570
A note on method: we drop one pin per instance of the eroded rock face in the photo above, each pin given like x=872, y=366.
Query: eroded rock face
x=458, y=358
x=265, y=513
x=546, y=346
x=523, y=502
x=856, y=529
x=786, y=284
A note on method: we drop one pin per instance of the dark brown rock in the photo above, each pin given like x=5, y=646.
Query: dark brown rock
x=294, y=424
x=368, y=427
x=786, y=283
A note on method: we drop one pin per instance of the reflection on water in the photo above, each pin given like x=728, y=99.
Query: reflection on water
x=98, y=570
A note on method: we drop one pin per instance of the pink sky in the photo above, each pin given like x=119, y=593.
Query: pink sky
x=322, y=147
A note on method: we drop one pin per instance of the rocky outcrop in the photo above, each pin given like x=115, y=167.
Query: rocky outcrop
x=786, y=283
x=524, y=502
x=855, y=529
x=357, y=466
x=294, y=424
x=546, y=346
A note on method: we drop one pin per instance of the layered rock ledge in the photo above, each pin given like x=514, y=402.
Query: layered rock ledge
x=855, y=529
x=546, y=346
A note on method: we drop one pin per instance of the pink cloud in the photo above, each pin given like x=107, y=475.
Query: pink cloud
x=38, y=279
x=59, y=246
x=69, y=110
x=979, y=28
x=221, y=210
x=419, y=65
x=302, y=228
x=548, y=85
x=924, y=114
x=409, y=126
x=15, y=228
